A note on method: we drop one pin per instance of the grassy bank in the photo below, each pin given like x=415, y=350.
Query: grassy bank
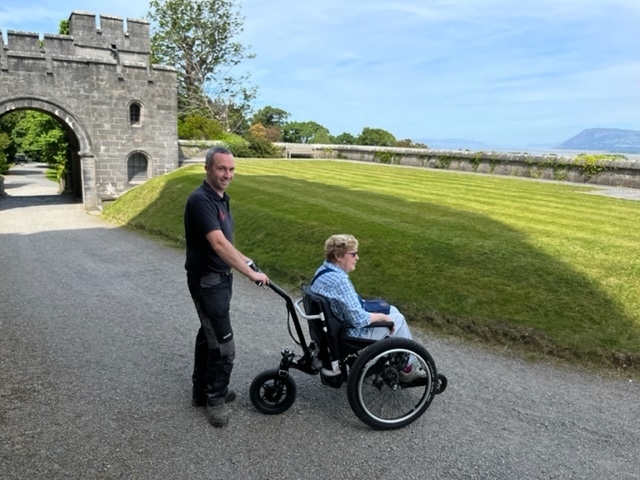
x=546, y=267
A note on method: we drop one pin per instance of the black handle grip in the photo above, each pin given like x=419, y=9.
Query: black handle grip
x=255, y=268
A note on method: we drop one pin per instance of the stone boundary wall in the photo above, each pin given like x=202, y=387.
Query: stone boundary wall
x=618, y=172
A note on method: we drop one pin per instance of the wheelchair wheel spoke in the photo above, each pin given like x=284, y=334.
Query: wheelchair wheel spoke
x=386, y=397
x=381, y=393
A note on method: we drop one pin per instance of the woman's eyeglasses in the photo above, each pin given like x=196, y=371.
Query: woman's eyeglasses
x=353, y=254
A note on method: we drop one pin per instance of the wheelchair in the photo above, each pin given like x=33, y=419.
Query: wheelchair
x=371, y=368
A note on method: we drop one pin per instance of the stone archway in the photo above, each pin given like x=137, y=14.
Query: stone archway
x=88, y=80
x=81, y=158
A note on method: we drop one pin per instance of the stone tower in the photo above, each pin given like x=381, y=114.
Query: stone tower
x=119, y=111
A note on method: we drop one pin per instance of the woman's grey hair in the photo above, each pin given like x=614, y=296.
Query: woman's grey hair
x=338, y=245
x=208, y=159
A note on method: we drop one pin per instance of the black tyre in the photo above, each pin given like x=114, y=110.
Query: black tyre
x=272, y=393
x=378, y=393
x=441, y=383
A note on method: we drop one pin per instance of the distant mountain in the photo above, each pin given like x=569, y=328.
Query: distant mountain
x=451, y=143
x=605, y=140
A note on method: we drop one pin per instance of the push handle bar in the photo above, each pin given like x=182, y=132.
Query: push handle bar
x=255, y=268
x=291, y=308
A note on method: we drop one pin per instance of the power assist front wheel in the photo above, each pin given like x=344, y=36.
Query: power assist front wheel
x=378, y=393
x=273, y=392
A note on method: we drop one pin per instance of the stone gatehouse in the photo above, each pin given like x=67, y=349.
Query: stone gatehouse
x=119, y=111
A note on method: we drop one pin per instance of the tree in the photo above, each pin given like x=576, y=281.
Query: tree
x=197, y=38
x=8, y=147
x=272, y=119
x=377, y=137
x=40, y=137
x=408, y=143
x=258, y=130
x=273, y=133
x=270, y=116
x=305, y=132
x=232, y=112
x=345, y=139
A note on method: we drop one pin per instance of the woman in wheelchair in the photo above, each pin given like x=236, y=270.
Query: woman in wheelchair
x=332, y=281
x=390, y=381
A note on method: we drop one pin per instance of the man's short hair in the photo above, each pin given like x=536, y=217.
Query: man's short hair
x=208, y=159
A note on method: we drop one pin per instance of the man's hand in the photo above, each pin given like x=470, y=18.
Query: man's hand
x=260, y=279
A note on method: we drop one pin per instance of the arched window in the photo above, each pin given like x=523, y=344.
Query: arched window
x=137, y=167
x=135, y=113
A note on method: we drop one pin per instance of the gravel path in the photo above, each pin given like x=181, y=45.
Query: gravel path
x=96, y=333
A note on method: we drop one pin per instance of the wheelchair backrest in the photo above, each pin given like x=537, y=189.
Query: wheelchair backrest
x=325, y=333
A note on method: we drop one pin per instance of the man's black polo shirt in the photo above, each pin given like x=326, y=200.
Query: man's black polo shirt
x=205, y=212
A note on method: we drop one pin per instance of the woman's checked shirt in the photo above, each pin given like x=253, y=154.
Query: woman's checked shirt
x=345, y=302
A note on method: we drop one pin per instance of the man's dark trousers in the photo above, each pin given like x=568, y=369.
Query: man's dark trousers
x=215, y=346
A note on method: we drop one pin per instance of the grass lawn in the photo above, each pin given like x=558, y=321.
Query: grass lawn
x=543, y=266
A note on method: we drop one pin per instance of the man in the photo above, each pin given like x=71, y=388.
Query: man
x=211, y=255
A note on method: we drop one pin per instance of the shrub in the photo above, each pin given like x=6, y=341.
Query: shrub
x=595, y=164
x=235, y=143
x=5, y=142
x=387, y=157
x=257, y=147
x=198, y=127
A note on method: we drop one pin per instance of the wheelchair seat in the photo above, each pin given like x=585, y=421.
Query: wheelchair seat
x=329, y=332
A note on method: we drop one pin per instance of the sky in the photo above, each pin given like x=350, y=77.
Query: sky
x=507, y=73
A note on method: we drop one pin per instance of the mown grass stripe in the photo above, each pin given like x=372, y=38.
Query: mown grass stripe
x=482, y=253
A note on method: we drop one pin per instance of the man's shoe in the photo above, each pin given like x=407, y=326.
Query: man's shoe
x=218, y=415
x=201, y=400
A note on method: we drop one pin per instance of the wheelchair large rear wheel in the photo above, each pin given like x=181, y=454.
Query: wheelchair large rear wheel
x=378, y=393
x=271, y=392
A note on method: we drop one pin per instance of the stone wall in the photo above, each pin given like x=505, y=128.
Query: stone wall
x=89, y=80
x=618, y=172
x=571, y=168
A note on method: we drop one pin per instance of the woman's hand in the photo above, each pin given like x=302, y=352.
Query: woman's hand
x=381, y=317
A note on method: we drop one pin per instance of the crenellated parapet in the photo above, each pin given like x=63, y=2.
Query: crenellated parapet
x=23, y=42
x=111, y=34
x=110, y=43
